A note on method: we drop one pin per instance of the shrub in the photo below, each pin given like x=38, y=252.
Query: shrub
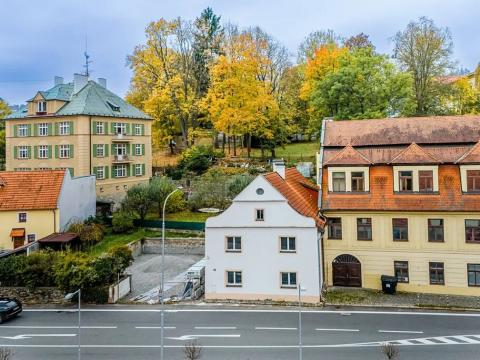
x=75, y=271
x=138, y=200
x=96, y=295
x=209, y=191
x=11, y=270
x=159, y=189
x=89, y=233
x=237, y=183
x=174, y=172
x=123, y=258
x=198, y=158
x=37, y=270
x=122, y=222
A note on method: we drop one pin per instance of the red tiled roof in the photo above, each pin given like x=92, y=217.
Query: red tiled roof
x=397, y=131
x=472, y=156
x=414, y=154
x=300, y=194
x=348, y=156
x=29, y=190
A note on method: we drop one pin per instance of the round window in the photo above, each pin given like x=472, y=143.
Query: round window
x=260, y=191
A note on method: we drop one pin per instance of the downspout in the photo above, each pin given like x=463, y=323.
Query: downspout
x=90, y=146
x=54, y=220
x=320, y=262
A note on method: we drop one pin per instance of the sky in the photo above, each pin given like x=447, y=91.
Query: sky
x=39, y=40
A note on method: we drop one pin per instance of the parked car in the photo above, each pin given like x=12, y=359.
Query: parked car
x=9, y=308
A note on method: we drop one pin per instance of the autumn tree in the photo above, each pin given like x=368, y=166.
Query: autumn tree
x=314, y=41
x=424, y=50
x=359, y=41
x=463, y=98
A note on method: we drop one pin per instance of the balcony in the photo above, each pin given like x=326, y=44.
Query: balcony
x=118, y=138
x=117, y=159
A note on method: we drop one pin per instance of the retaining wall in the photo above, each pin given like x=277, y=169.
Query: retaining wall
x=41, y=295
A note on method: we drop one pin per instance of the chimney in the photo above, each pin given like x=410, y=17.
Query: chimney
x=79, y=81
x=102, y=82
x=279, y=167
x=58, y=80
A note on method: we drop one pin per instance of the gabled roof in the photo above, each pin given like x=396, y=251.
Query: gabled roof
x=348, y=156
x=30, y=190
x=300, y=194
x=472, y=156
x=414, y=154
x=92, y=99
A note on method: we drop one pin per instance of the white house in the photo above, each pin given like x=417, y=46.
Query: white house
x=267, y=242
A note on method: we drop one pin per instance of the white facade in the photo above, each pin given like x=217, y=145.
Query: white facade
x=77, y=200
x=260, y=259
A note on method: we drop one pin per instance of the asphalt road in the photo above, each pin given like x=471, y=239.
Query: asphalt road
x=241, y=333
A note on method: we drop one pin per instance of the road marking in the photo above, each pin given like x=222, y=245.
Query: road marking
x=346, y=330
x=155, y=327
x=466, y=339
x=54, y=327
x=275, y=328
x=193, y=337
x=445, y=340
x=29, y=336
x=215, y=328
x=401, y=331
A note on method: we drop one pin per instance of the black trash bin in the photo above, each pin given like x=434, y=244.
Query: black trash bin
x=389, y=284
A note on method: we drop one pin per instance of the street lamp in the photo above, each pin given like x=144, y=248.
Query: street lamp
x=162, y=320
x=300, y=289
x=70, y=296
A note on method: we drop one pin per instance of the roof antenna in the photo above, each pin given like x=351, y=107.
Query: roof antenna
x=87, y=57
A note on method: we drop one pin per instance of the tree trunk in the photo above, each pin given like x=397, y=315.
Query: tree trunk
x=234, y=145
x=249, y=144
x=223, y=142
x=229, y=151
x=272, y=151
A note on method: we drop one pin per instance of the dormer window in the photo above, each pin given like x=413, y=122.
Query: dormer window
x=415, y=179
x=405, y=180
x=348, y=179
x=473, y=180
x=339, y=181
x=113, y=106
x=358, y=181
x=42, y=107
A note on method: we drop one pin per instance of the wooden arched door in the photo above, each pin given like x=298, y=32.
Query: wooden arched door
x=347, y=271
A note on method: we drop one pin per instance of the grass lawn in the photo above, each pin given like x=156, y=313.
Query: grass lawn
x=298, y=150
x=112, y=240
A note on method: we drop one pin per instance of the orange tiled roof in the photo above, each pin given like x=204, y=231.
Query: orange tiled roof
x=348, y=156
x=472, y=156
x=29, y=190
x=301, y=195
x=414, y=154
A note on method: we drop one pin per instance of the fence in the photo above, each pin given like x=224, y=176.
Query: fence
x=177, y=225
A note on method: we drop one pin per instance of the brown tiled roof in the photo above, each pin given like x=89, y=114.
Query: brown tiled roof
x=29, y=190
x=58, y=238
x=382, y=198
x=301, y=195
x=414, y=154
x=348, y=156
x=403, y=131
x=472, y=156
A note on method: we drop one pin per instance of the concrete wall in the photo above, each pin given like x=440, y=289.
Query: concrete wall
x=119, y=289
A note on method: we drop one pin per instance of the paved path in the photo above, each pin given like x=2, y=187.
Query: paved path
x=241, y=333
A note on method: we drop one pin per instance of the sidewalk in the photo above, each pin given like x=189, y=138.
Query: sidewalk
x=366, y=297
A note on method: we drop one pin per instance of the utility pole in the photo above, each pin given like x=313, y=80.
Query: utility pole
x=300, y=354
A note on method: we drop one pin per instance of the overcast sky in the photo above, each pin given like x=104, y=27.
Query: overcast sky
x=39, y=40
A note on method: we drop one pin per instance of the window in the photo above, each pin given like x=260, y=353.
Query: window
x=473, y=180
x=338, y=181
x=113, y=106
x=100, y=150
x=43, y=152
x=234, y=278
x=473, y=274
x=289, y=279
x=425, y=180
x=42, y=106
x=260, y=191
x=138, y=170
x=22, y=130
x=400, y=229
x=43, y=129
x=358, y=181
x=100, y=172
x=120, y=149
x=335, y=228
x=437, y=274
x=234, y=244
x=138, y=129
x=364, y=229
x=22, y=217
x=287, y=244
x=259, y=216
x=64, y=151
x=31, y=238
x=64, y=128
x=435, y=230
x=401, y=271
x=120, y=170
x=23, y=152
x=138, y=149
x=120, y=128
x=472, y=231
x=405, y=180
x=99, y=128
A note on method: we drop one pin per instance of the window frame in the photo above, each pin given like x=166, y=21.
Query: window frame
x=28, y=238
x=475, y=180
x=116, y=169
x=136, y=167
x=369, y=224
x=438, y=271
x=64, y=128
x=234, y=274
x=42, y=129
x=123, y=146
x=99, y=125
x=22, y=130
x=139, y=128
x=42, y=148
x=139, y=148
x=442, y=227
x=344, y=181
x=406, y=178
x=402, y=279
x=331, y=228
x=41, y=106
x=430, y=177
x=23, y=150
x=476, y=274
x=234, y=239
x=476, y=240
x=22, y=217
x=120, y=126
x=102, y=169
x=288, y=248
x=64, y=151
x=356, y=180
x=258, y=212
x=102, y=148
x=400, y=239
x=289, y=284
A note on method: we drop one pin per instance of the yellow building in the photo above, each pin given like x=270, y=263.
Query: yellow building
x=35, y=204
x=83, y=127
x=402, y=198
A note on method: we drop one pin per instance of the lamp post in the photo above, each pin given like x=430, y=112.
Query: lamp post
x=162, y=316
x=70, y=296
x=300, y=289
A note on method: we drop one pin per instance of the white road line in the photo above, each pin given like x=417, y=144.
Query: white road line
x=54, y=327
x=426, y=342
x=401, y=331
x=275, y=328
x=445, y=340
x=346, y=330
x=468, y=340
x=215, y=328
x=155, y=327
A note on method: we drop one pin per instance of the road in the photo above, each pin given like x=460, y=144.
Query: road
x=132, y=332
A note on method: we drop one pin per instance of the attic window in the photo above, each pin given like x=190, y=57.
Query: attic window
x=113, y=106
x=260, y=191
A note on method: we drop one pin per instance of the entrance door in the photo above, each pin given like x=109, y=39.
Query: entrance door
x=18, y=241
x=347, y=271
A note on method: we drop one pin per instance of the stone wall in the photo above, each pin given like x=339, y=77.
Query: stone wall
x=173, y=246
x=41, y=295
